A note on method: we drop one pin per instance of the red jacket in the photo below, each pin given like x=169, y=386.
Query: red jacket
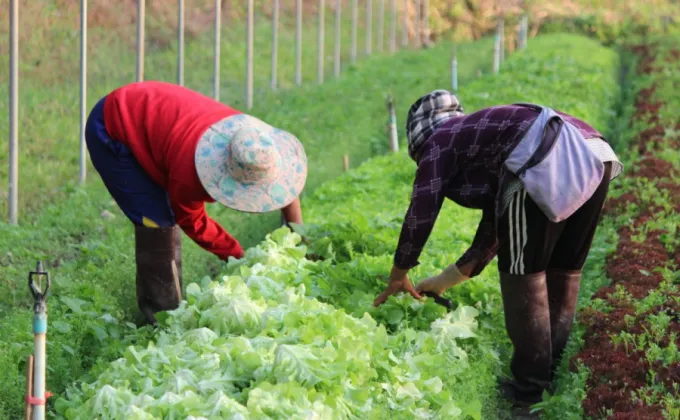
x=161, y=123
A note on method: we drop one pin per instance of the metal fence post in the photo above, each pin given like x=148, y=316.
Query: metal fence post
x=320, y=43
x=355, y=13
x=369, y=26
x=218, y=40
x=83, y=87
x=393, y=25
x=392, y=123
x=496, y=49
x=381, y=25
x=180, y=42
x=520, y=33
x=404, y=38
x=502, y=37
x=250, y=27
x=338, y=28
x=275, y=42
x=298, y=42
x=13, y=111
x=454, y=70
x=141, y=12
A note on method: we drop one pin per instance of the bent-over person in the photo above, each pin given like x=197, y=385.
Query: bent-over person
x=163, y=151
x=540, y=178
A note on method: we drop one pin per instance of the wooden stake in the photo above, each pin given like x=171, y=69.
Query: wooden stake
x=346, y=162
x=29, y=386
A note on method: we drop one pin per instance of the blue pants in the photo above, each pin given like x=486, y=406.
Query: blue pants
x=142, y=200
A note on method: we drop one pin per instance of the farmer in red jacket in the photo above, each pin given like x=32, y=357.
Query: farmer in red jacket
x=539, y=220
x=163, y=151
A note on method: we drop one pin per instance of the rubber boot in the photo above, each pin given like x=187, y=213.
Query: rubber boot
x=527, y=320
x=158, y=257
x=563, y=287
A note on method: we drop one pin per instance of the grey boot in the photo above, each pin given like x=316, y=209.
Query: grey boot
x=563, y=287
x=159, y=276
x=527, y=320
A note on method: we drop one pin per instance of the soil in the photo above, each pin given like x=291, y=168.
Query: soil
x=619, y=369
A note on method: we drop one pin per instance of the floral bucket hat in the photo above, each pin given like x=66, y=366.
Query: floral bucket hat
x=250, y=166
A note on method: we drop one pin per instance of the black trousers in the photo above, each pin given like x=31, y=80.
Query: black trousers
x=530, y=243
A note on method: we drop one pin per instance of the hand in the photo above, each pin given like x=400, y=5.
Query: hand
x=399, y=282
x=450, y=277
x=432, y=284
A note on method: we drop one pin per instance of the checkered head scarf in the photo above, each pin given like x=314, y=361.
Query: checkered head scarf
x=426, y=114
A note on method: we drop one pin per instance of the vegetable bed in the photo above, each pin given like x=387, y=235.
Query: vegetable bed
x=279, y=336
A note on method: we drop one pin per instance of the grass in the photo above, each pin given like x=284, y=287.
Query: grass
x=91, y=260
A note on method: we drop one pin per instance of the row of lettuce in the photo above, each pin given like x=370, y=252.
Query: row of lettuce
x=280, y=336
x=626, y=363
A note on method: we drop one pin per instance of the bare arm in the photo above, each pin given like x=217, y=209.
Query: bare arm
x=292, y=213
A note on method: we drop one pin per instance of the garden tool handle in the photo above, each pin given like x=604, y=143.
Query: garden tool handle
x=439, y=299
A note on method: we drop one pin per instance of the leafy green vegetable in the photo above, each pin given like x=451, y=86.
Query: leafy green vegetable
x=272, y=351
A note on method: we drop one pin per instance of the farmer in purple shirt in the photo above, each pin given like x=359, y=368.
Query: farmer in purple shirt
x=461, y=157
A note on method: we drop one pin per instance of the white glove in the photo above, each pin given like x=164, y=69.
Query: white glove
x=450, y=277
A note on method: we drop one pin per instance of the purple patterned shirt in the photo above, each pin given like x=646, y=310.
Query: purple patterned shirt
x=462, y=161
